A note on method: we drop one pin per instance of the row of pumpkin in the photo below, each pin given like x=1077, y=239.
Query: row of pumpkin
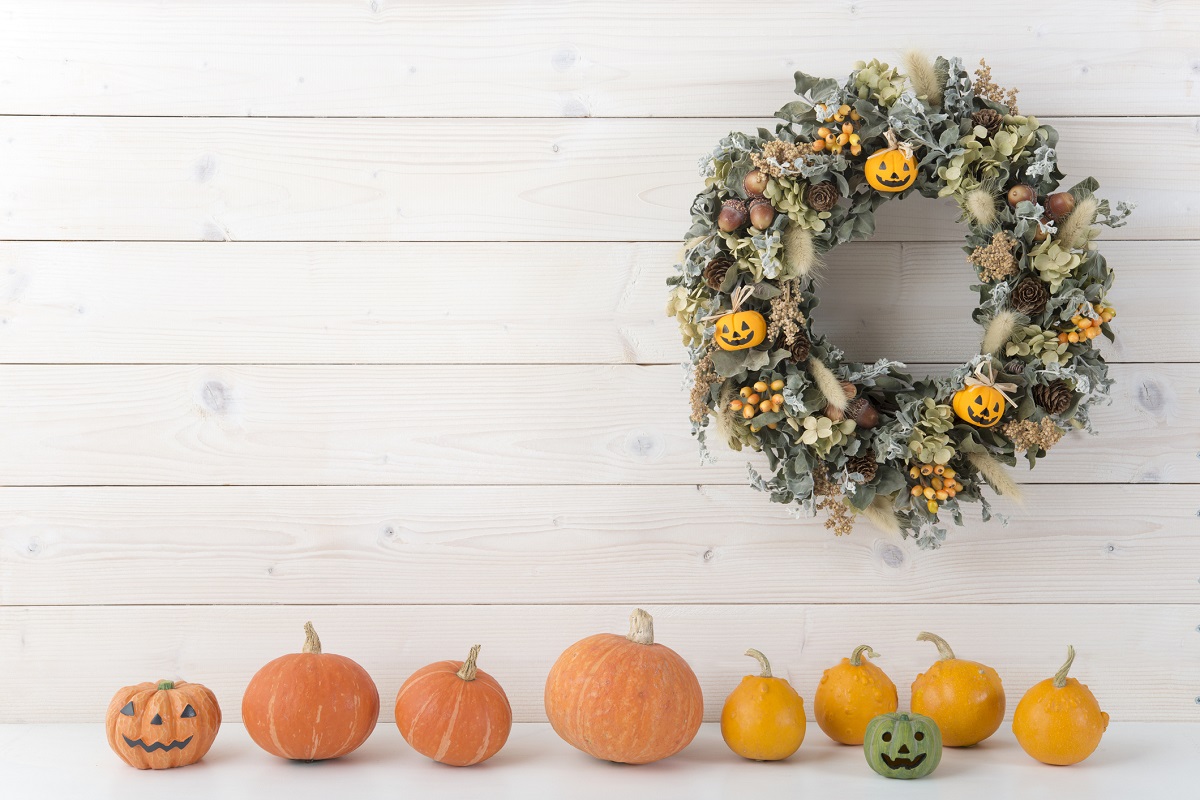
x=617, y=698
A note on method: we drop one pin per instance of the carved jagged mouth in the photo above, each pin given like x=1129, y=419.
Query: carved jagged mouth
x=737, y=341
x=150, y=748
x=979, y=420
x=893, y=182
x=900, y=762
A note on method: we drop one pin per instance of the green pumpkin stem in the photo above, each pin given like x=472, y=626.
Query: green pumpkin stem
x=762, y=662
x=312, y=642
x=944, y=651
x=467, y=673
x=166, y=686
x=1060, y=677
x=641, y=627
x=856, y=656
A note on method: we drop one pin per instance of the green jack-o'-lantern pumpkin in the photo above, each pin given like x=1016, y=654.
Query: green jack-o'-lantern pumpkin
x=903, y=746
x=982, y=406
x=740, y=330
x=890, y=170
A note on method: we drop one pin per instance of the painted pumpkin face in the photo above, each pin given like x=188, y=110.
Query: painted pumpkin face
x=740, y=330
x=162, y=725
x=982, y=406
x=903, y=746
x=890, y=171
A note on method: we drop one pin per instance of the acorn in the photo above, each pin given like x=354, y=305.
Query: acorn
x=1021, y=193
x=1059, y=204
x=863, y=413
x=755, y=183
x=733, y=215
x=762, y=214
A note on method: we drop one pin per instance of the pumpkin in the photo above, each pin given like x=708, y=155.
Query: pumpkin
x=454, y=712
x=890, y=170
x=964, y=698
x=982, y=406
x=310, y=706
x=162, y=725
x=740, y=330
x=850, y=695
x=1058, y=721
x=763, y=718
x=624, y=698
x=904, y=746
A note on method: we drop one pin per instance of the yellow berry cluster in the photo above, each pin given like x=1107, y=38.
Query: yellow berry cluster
x=834, y=139
x=1087, y=327
x=935, y=483
x=759, y=398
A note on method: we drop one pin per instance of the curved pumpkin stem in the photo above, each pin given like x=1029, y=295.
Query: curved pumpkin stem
x=312, y=642
x=1060, y=677
x=166, y=686
x=762, y=662
x=467, y=673
x=856, y=656
x=641, y=627
x=944, y=651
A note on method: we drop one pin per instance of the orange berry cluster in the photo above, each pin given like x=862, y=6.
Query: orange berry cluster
x=935, y=483
x=834, y=139
x=759, y=398
x=1087, y=328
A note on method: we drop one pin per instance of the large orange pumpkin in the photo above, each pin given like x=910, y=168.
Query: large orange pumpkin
x=310, y=706
x=965, y=698
x=454, y=712
x=624, y=698
x=850, y=695
x=1058, y=721
x=162, y=725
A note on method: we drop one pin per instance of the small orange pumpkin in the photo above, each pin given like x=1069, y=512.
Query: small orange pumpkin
x=890, y=170
x=740, y=330
x=310, y=706
x=624, y=698
x=850, y=695
x=1058, y=721
x=763, y=718
x=982, y=406
x=964, y=698
x=162, y=725
x=454, y=712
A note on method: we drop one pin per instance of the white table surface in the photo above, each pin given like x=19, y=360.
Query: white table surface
x=73, y=762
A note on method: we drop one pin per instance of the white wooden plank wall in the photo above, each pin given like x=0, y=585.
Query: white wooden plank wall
x=240, y=387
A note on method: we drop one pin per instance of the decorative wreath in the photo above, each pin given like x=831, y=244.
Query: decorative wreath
x=852, y=438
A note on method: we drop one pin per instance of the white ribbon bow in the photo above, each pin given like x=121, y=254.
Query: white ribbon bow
x=989, y=380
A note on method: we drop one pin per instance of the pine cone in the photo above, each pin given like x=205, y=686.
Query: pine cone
x=714, y=273
x=989, y=119
x=822, y=196
x=1055, y=396
x=865, y=465
x=800, y=347
x=1015, y=367
x=1029, y=296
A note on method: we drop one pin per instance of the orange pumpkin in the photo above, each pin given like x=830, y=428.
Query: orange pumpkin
x=763, y=718
x=624, y=698
x=982, y=406
x=852, y=694
x=890, y=170
x=964, y=698
x=1058, y=721
x=310, y=706
x=740, y=330
x=162, y=725
x=454, y=712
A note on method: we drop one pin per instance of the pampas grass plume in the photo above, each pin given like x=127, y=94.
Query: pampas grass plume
x=980, y=205
x=999, y=331
x=924, y=76
x=881, y=515
x=1073, y=230
x=997, y=475
x=799, y=251
x=829, y=385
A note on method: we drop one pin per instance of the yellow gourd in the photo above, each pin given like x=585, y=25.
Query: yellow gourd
x=964, y=698
x=763, y=718
x=850, y=695
x=1058, y=721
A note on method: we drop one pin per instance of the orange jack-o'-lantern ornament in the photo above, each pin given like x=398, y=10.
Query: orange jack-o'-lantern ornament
x=892, y=169
x=981, y=401
x=739, y=330
x=162, y=725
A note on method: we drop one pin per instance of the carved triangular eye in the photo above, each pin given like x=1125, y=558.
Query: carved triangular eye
x=978, y=400
x=128, y=709
x=724, y=329
x=188, y=712
x=995, y=406
x=906, y=166
x=745, y=326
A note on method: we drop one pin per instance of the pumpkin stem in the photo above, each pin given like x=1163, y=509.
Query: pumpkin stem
x=944, y=651
x=856, y=656
x=641, y=627
x=312, y=642
x=762, y=662
x=1060, y=677
x=166, y=686
x=467, y=673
